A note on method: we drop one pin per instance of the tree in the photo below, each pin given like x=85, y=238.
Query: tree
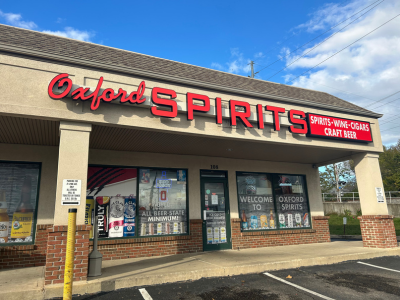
x=338, y=175
x=389, y=162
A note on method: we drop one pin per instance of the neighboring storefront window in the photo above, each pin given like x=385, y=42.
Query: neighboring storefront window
x=162, y=202
x=291, y=201
x=256, y=201
x=18, y=201
x=272, y=201
x=111, y=195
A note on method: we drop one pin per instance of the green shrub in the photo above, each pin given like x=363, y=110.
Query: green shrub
x=359, y=212
x=347, y=212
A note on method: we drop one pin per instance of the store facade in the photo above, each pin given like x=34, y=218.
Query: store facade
x=173, y=158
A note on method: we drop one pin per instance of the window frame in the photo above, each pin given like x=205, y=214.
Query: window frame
x=34, y=223
x=137, y=202
x=241, y=173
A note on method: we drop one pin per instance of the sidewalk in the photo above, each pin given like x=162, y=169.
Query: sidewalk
x=117, y=274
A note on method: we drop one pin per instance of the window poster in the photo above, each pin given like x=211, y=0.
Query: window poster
x=291, y=201
x=111, y=195
x=18, y=198
x=216, y=227
x=162, y=197
x=256, y=201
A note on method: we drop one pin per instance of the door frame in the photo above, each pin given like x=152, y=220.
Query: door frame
x=203, y=180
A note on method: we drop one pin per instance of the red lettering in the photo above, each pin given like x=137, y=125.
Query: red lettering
x=138, y=95
x=218, y=110
x=260, y=116
x=79, y=93
x=297, y=121
x=239, y=114
x=164, y=102
x=108, y=98
x=60, y=79
x=192, y=107
x=276, y=111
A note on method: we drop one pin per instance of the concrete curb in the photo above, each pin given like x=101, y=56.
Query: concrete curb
x=352, y=237
x=96, y=286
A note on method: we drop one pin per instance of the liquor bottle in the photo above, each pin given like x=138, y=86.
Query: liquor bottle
x=23, y=215
x=271, y=219
x=244, y=220
x=4, y=220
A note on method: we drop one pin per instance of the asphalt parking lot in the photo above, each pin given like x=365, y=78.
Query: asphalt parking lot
x=377, y=278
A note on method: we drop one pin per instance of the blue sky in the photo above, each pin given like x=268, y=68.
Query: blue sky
x=226, y=35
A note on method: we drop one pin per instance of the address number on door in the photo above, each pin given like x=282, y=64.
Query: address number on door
x=214, y=167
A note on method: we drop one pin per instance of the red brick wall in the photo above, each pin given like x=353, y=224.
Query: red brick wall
x=56, y=249
x=378, y=231
x=242, y=240
x=155, y=246
x=26, y=256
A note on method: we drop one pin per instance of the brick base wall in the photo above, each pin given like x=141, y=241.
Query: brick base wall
x=26, y=256
x=155, y=246
x=243, y=240
x=378, y=231
x=56, y=250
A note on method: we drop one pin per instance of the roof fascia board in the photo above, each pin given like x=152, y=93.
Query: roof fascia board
x=134, y=71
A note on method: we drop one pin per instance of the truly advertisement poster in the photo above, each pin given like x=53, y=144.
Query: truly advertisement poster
x=111, y=194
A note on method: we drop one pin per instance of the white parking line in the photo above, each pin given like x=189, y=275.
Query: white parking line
x=145, y=294
x=360, y=262
x=298, y=287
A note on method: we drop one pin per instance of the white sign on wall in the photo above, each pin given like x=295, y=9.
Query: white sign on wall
x=379, y=195
x=71, y=192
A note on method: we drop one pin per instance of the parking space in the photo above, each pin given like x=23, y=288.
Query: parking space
x=377, y=278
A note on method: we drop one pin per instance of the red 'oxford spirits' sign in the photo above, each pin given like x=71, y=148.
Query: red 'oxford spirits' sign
x=313, y=125
x=338, y=128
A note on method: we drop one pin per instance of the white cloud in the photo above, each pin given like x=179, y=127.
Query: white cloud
x=69, y=32
x=217, y=66
x=370, y=67
x=236, y=64
x=16, y=20
x=72, y=33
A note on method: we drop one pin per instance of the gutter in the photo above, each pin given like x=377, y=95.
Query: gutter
x=133, y=71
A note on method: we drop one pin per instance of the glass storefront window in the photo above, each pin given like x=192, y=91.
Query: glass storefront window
x=18, y=201
x=291, y=201
x=256, y=201
x=111, y=195
x=163, y=202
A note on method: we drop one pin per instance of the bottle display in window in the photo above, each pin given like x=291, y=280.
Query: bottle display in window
x=23, y=215
x=18, y=199
x=162, y=199
x=256, y=202
x=292, y=202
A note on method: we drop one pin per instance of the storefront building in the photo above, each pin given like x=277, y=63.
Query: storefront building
x=173, y=158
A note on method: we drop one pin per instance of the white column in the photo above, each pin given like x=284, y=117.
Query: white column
x=369, y=178
x=72, y=164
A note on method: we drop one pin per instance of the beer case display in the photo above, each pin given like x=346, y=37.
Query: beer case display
x=116, y=217
x=129, y=216
x=89, y=214
x=102, y=208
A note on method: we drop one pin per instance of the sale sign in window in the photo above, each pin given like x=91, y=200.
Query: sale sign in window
x=338, y=128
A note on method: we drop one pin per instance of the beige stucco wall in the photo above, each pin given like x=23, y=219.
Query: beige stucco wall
x=24, y=83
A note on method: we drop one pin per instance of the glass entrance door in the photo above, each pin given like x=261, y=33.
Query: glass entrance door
x=215, y=214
